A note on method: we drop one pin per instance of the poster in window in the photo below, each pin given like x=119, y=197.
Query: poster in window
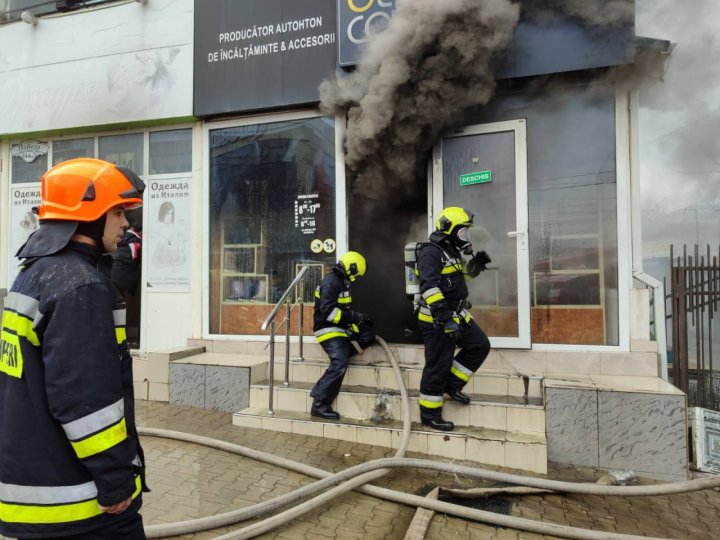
x=23, y=222
x=168, y=235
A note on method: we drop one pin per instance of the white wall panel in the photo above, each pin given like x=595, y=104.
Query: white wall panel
x=123, y=63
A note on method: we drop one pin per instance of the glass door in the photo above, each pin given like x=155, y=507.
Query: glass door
x=484, y=169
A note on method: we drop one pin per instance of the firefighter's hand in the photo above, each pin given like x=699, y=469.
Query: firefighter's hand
x=478, y=263
x=360, y=318
x=452, y=329
x=482, y=259
x=117, y=508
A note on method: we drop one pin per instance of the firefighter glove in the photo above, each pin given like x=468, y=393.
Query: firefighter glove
x=360, y=318
x=452, y=329
x=478, y=263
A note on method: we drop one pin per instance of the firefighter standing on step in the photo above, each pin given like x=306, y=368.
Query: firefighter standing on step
x=444, y=316
x=71, y=465
x=339, y=329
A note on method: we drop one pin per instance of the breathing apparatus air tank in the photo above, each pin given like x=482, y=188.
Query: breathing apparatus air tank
x=412, y=281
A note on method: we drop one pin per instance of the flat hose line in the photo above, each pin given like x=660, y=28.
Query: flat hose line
x=355, y=478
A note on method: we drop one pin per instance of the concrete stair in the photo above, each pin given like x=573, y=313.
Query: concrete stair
x=503, y=425
x=527, y=406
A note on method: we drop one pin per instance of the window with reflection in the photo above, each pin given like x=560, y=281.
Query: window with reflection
x=572, y=205
x=29, y=161
x=124, y=150
x=72, y=148
x=272, y=193
x=170, y=151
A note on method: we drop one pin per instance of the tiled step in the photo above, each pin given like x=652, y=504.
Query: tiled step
x=518, y=450
x=381, y=375
x=362, y=403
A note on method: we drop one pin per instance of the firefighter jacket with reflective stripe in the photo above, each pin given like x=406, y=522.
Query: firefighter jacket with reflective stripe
x=68, y=440
x=333, y=307
x=443, y=291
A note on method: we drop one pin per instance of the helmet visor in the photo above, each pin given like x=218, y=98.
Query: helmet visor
x=463, y=234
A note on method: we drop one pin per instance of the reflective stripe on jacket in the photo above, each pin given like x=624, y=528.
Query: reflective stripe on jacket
x=443, y=290
x=67, y=424
x=333, y=307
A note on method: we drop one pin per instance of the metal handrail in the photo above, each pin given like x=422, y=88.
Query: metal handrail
x=658, y=290
x=284, y=297
x=270, y=320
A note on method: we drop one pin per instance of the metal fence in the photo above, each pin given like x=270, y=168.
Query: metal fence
x=695, y=298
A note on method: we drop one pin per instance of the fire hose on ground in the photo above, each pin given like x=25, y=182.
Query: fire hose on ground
x=357, y=478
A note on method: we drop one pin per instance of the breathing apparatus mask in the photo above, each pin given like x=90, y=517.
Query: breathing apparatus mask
x=461, y=240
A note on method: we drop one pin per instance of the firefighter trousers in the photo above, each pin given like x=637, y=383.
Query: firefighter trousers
x=442, y=366
x=339, y=350
x=130, y=528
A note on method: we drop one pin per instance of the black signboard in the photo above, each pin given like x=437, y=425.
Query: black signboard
x=357, y=20
x=259, y=54
x=544, y=42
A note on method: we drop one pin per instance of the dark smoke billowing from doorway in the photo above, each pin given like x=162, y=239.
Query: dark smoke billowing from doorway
x=432, y=62
x=414, y=82
x=415, y=79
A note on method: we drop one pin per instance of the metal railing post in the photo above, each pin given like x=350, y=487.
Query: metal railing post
x=301, y=317
x=286, y=383
x=271, y=369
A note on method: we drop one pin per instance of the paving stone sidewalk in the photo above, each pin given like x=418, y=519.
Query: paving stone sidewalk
x=192, y=481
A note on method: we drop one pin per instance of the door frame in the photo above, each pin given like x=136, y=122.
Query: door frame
x=435, y=205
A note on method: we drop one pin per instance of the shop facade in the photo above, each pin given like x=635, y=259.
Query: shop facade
x=217, y=108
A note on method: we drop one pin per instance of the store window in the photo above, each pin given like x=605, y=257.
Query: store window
x=272, y=204
x=572, y=206
x=170, y=151
x=124, y=150
x=29, y=161
x=72, y=148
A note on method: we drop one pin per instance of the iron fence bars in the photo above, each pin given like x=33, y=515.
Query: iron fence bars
x=695, y=298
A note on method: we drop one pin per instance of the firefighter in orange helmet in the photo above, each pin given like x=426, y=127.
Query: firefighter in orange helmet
x=71, y=464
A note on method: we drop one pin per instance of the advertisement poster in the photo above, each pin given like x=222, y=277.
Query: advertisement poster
x=167, y=235
x=23, y=222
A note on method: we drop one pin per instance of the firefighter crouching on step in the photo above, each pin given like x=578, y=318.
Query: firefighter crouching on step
x=340, y=331
x=444, y=319
x=71, y=465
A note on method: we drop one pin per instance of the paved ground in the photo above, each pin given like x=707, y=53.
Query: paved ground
x=191, y=481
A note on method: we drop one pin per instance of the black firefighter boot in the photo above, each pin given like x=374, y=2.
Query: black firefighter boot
x=323, y=410
x=434, y=419
x=454, y=390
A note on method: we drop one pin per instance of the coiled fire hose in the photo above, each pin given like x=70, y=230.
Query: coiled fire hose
x=356, y=477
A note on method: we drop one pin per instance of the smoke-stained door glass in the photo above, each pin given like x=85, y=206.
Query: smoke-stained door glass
x=483, y=169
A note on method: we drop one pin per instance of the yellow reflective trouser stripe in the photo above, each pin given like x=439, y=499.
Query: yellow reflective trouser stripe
x=430, y=404
x=101, y=441
x=331, y=335
x=434, y=298
x=120, y=334
x=62, y=513
x=459, y=374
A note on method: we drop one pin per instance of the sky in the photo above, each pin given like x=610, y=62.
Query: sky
x=680, y=127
